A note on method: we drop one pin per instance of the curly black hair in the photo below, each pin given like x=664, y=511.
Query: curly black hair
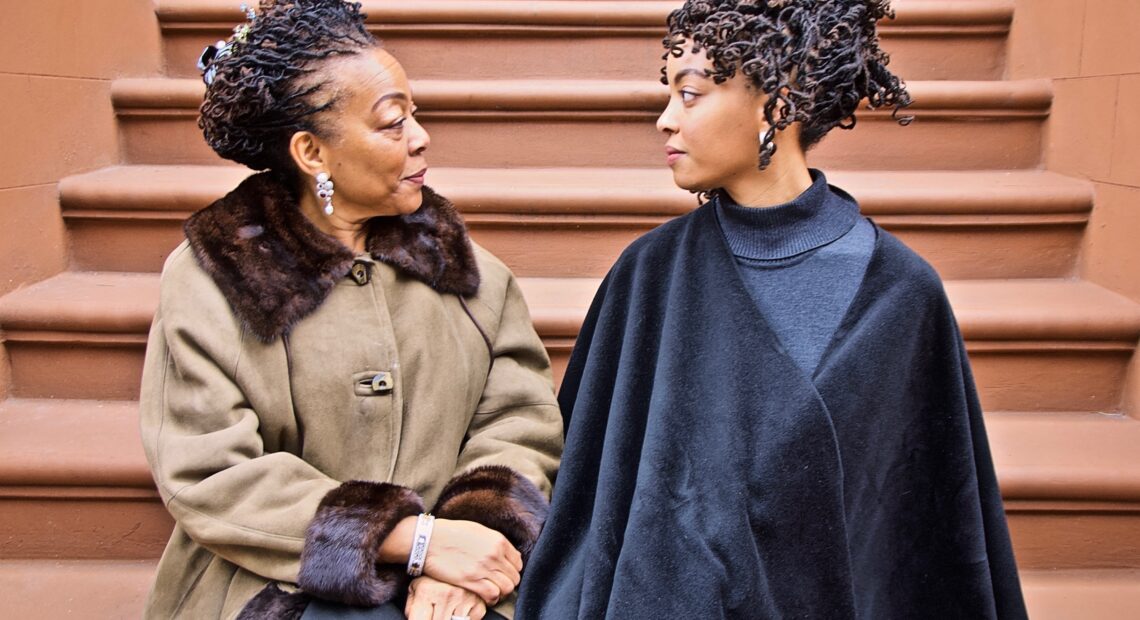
x=815, y=60
x=262, y=93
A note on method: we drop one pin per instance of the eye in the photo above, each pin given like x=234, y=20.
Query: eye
x=688, y=96
x=397, y=125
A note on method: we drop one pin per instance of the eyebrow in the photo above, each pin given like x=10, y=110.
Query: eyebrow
x=683, y=73
x=395, y=95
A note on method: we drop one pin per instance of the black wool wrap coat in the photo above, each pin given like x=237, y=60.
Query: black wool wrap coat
x=706, y=476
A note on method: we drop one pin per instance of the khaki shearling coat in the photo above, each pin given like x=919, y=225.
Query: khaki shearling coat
x=255, y=415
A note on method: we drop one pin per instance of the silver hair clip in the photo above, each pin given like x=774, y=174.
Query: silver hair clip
x=221, y=49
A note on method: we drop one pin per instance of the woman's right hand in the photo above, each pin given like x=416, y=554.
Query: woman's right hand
x=473, y=557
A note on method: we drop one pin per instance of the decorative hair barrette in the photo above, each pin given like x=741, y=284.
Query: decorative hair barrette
x=221, y=49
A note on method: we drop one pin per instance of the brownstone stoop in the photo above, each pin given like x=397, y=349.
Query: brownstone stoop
x=542, y=121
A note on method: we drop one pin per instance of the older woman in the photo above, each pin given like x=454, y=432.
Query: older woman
x=770, y=410
x=332, y=357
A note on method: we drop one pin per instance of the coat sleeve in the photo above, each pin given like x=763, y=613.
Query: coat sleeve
x=269, y=512
x=508, y=463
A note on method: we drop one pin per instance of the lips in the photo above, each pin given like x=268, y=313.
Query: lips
x=417, y=177
x=672, y=155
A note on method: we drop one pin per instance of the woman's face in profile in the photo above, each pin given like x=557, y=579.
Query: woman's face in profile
x=712, y=129
x=374, y=147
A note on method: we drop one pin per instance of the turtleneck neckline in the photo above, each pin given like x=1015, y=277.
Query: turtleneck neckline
x=815, y=218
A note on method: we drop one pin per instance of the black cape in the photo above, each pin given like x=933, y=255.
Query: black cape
x=706, y=476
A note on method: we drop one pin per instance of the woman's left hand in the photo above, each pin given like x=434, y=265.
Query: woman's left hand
x=429, y=599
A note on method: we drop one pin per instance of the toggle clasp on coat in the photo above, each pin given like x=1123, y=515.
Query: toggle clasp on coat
x=360, y=272
x=379, y=383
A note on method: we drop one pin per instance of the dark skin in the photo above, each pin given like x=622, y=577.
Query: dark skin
x=374, y=150
x=372, y=147
x=716, y=130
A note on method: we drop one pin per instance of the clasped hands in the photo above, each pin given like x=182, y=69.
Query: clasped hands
x=468, y=568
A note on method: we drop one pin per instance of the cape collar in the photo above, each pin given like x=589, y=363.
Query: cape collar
x=274, y=267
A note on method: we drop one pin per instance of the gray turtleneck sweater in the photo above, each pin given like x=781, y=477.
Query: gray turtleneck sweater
x=802, y=261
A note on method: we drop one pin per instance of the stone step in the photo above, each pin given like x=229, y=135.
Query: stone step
x=1082, y=594
x=490, y=39
x=1035, y=345
x=959, y=125
x=969, y=224
x=98, y=589
x=1072, y=496
x=1068, y=481
x=75, y=589
x=74, y=482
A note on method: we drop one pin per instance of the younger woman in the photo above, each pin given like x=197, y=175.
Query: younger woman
x=769, y=410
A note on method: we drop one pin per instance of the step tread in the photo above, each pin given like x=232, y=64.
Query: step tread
x=71, y=443
x=185, y=94
x=1027, y=309
x=182, y=189
x=75, y=588
x=1039, y=456
x=103, y=302
x=1072, y=594
x=600, y=13
x=1079, y=456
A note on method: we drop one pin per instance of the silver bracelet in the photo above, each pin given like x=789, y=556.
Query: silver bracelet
x=416, y=558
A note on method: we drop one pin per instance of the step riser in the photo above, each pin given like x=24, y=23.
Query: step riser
x=85, y=370
x=535, y=246
x=53, y=523
x=1045, y=537
x=1029, y=377
x=478, y=52
x=957, y=252
x=1061, y=537
x=954, y=141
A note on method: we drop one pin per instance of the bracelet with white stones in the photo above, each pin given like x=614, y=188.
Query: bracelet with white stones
x=420, y=540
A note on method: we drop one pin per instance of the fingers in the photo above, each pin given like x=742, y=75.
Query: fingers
x=505, y=584
x=429, y=599
x=476, y=610
x=512, y=565
x=515, y=558
x=418, y=609
x=474, y=557
x=442, y=611
x=488, y=590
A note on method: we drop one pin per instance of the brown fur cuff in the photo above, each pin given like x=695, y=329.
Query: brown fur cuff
x=499, y=498
x=273, y=603
x=342, y=544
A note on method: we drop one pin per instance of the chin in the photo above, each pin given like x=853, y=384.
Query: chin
x=691, y=182
x=410, y=203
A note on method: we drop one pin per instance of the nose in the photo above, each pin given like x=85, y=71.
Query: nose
x=667, y=122
x=418, y=138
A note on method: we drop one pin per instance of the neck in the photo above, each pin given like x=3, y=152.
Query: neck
x=783, y=180
x=349, y=232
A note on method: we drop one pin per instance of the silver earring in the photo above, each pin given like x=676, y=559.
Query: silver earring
x=325, y=191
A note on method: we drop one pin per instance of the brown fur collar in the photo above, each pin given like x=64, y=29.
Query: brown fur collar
x=275, y=267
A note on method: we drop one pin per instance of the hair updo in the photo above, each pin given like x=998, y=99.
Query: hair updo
x=259, y=96
x=815, y=60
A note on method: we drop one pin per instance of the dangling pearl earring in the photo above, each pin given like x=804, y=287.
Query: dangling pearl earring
x=325, y=191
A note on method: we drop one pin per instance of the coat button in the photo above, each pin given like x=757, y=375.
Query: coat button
x=360, y=273
x=381, y=383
